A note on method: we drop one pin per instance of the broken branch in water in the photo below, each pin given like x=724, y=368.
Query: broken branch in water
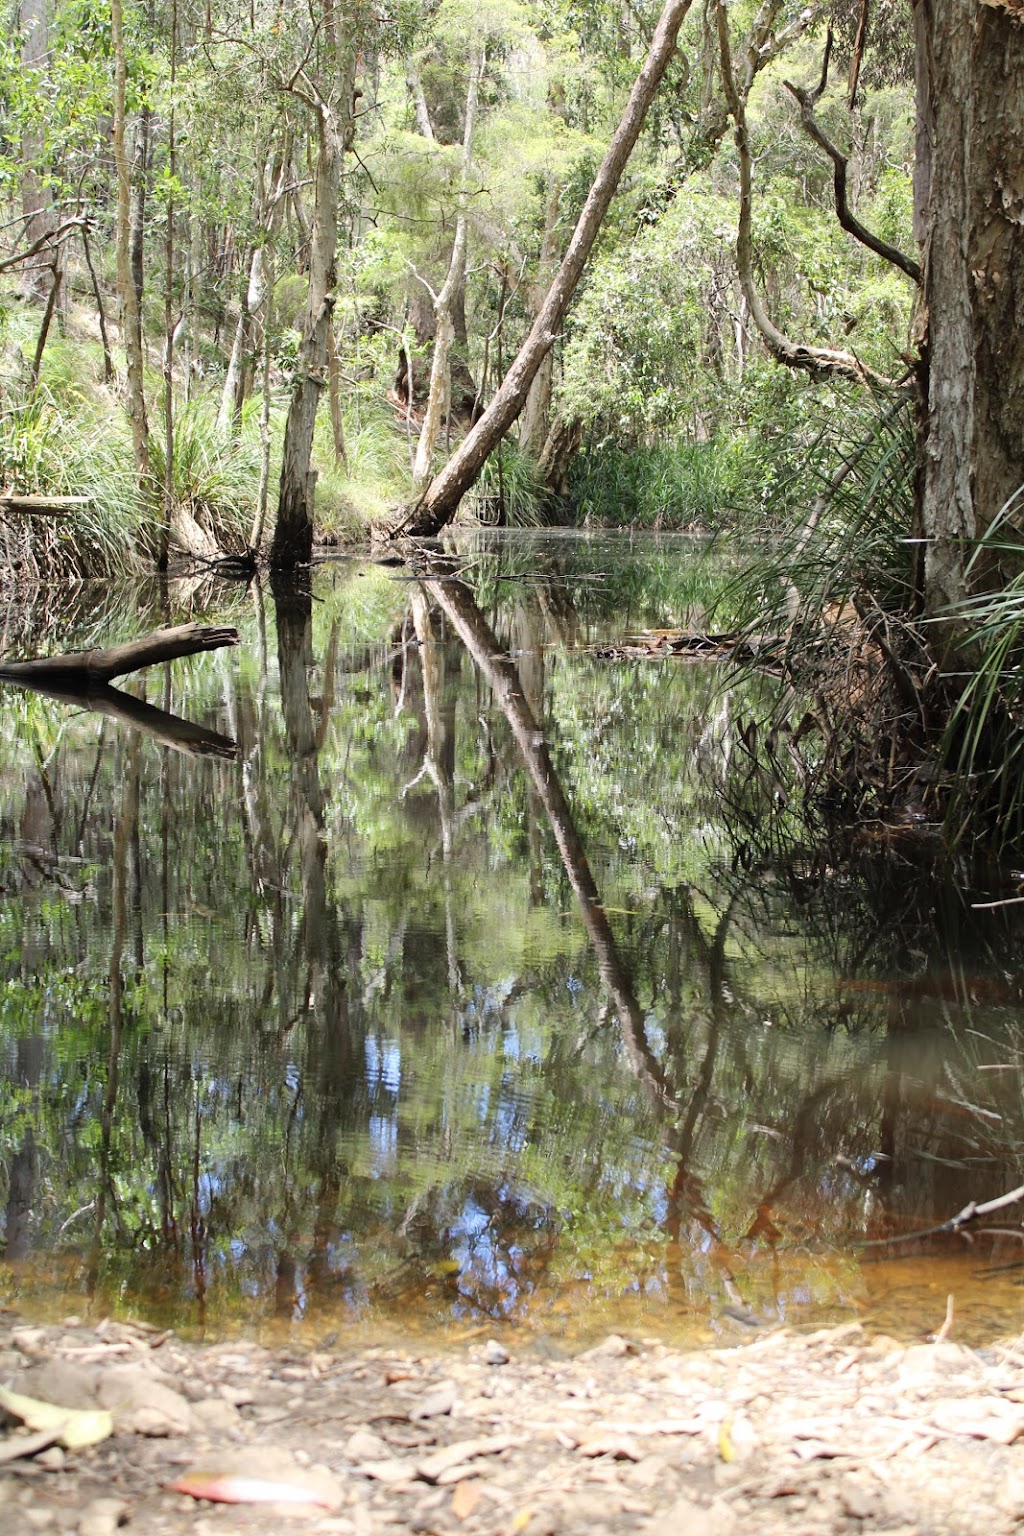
x=91, y=668
x=970, y=1212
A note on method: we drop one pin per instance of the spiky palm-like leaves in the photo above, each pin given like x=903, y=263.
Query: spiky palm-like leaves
x=984, y=742
x=827, y=602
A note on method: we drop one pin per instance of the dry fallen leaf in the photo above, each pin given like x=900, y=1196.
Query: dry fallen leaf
x=260, y=1477
x=465, y=1500
x=73, y=1428
x=237, y=1488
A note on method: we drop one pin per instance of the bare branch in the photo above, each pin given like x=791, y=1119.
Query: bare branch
x=970, y=1212
x=49, y=237
x=821, y=361
x=847, y=218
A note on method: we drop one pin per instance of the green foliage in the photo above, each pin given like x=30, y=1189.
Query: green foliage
x=375, y=477
x=51, y=446
x=984, y=744
x=848, y=521
x=216, y=471
x=510, y=491
x=675, y=485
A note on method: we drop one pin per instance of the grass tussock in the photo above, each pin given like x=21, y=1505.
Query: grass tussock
x=679, y=485
x=50, y=447
x=374, y=478
x=215, y=471
x=510, y=492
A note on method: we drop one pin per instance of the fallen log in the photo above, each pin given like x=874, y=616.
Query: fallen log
x=89, y=669
x=42, y=506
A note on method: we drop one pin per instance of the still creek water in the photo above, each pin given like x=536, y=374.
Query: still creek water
x=441, y=984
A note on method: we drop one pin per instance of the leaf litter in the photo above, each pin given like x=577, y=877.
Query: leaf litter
x=827, y=1432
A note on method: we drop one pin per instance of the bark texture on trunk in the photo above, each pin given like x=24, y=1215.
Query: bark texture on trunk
x=970, y=215
x=444, y=302
x=293, y=534
x=536, y=422
x=40, y=218
x=441, y=499
x=130, y=326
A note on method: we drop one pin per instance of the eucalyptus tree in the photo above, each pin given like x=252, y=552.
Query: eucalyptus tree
x=127, y=291
x=969, y=209
x=968, y=369
x=320, y=71
x=455, y=277
x=439, y=501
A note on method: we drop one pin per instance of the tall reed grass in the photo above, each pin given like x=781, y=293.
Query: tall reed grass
x=679, y=485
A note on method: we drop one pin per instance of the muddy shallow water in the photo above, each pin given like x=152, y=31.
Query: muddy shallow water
x=443, y=983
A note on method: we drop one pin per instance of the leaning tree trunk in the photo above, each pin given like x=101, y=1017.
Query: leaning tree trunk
x=970, y=218
x=444, y=301
x=439, y=502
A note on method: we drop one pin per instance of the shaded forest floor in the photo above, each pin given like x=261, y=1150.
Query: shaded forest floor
x=824, y=1432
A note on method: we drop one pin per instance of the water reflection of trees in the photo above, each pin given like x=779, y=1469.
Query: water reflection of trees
x=364, y=1050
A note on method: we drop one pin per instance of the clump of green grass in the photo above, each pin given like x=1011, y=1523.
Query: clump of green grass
x=59, y=447
x=985, y=738
x=215, y=472
x=510, y=491
x=373, y=481
x=678, y=485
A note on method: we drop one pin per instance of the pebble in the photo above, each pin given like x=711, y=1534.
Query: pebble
x=102, y=1517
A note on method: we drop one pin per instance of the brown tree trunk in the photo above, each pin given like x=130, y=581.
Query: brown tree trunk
x=130, y=327
x=536, y=422
x=970, y=212
x=142, y=159
x=36, y=208
x=292, y=544
x=334, y=381
x=441, y=499
x=444, y=301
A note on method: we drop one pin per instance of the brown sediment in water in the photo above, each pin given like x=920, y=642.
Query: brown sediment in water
x=830, y=1431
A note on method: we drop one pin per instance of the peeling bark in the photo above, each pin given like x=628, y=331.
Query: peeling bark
x=969, y=192
x=292, y=543
x=130, y=322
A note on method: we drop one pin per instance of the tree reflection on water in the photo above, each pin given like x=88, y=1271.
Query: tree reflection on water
x=457, y=995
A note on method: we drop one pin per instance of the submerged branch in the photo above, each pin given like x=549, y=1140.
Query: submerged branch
x=970, y=1212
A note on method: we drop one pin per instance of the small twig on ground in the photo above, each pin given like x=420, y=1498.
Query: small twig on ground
x=947, y=1327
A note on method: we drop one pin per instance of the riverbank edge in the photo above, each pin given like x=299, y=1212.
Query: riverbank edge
x=831, y=1431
